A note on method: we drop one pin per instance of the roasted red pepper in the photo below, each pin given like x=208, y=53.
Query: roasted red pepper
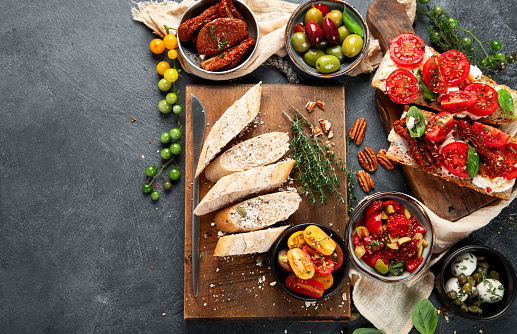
x=397, y=225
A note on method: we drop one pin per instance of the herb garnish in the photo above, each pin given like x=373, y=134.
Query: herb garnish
x=505, y=100
x=416, y=129
x=396, y=268
x=220, y=44
x=472, y=162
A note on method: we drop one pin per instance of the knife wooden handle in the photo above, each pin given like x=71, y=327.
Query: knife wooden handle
x=386, y=19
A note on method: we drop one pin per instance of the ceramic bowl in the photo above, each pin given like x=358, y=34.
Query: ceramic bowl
x=350, y=63
x=498, y=263
x=188, y=49
x=356, y=219
x=281, y=275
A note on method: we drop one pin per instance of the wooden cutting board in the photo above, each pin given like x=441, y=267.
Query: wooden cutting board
x=236, y=288
x=386, y=19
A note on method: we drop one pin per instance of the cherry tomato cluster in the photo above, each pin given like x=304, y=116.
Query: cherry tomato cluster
x=390, y=238
x=311, y=258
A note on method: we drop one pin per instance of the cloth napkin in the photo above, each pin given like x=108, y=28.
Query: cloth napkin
x=388, y=307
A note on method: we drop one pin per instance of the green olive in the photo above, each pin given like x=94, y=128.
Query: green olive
x=300, y=42
x=327, y=64
x=476, y=303
x=313, y=14
x=483, y=265
x=475, y=309
x=381, y=267
x=482, y=271
x=343, y=33
x=452, y=294
x=312, y=55
x=336, y=50
x=478, y=277
x=462, y=279
x=352, y=45
x=471, y=280
x=336, y=16
x=457, y=302
x=467, y=287
x=464, y=308
x=494, y=274
x=323, y=44
x=474, y=293
x=480, y=258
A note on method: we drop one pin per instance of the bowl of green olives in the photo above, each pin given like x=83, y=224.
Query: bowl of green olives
x=326, y=39
x=476, y=282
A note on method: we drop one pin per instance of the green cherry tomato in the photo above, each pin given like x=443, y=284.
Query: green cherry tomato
x=164, y=107
x=300, y=42
x=164, y=85
x=174, y=174
x=150, y=171
x=336, y=50
x=171, y=98
x=175, y=148
x=437, y=11
x=434, y=37
x=466, y=42
x=423, y=2
x=352, y=45
x=165, y=137
x=147, y=188
x=453, y=22
x=175, y=133
x=499, y=56
x=483, y=63
x=327, y=64
x=343, y=33
x=177, y=109
x=166, y=154
x=167, y=185
x=496, y=45
x=312, y=55
x=501, y=66
x=510, y=59
x=155, y=195
x=491, y=62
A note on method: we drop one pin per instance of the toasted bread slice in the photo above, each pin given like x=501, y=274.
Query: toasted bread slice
x=248, y=243
x=387, y=66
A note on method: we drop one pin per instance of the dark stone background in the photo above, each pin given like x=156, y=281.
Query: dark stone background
x=82, y=250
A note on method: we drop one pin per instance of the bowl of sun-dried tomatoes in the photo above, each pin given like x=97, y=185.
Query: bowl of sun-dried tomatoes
x=218, y=36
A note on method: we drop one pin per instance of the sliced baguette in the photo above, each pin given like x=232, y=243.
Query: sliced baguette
x=258, y=212
x=243, y=185
x=255, y=152
x=387, y=66
x=248, y=243
x=232, y=122
x=396, y=153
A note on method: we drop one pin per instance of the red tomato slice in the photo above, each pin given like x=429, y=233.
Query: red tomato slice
x=508, y=156
x=397, y=225
x=323, y=264
x=493, y=137
x=407, y=49
x=307, y=287
x=455, y=67
x=337, y=257
x=439, y=126
x=454, y=158
x=432, y=75
x=374, y=223
x=402, y=86
x=458, y=101
x=487, y=99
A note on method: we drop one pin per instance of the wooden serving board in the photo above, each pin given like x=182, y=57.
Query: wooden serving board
x=236, y=288
x=386, y=19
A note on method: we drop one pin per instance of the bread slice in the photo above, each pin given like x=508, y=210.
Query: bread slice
x=258, y=151
x=232, y=122
x=258, y=212
x=243, y=185
x=248, y=243
x=397, y=153
x=387, y=66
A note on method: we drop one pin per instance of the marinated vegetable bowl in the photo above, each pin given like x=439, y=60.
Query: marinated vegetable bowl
x=390, y=237
x=326, y=38
x=307, y=262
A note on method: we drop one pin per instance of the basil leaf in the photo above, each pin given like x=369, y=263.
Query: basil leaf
x=415, y=122
x=428, y=93
x=396, y=268
x=472, y=162
x=351, y=24
x=367, y=331
x=374, y=244
x=425, y=317
x=506, y=102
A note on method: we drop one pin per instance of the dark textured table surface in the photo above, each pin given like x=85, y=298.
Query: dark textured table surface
x=82, y=250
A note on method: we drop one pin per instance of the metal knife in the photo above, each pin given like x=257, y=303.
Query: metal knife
x=198, y=133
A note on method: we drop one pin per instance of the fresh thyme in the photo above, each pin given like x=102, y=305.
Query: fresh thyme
x=352, y=197
x=220, y=44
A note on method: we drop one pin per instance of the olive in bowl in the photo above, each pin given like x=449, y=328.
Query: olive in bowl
x=307, y=262
x=326, y=38
x=390, y=237
x=476, y=282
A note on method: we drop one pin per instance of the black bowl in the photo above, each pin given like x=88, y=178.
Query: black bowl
x=281, y=275
x=497, y=262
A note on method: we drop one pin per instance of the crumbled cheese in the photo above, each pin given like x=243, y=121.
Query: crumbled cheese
x=411, y=122
x=475, y=73
x=498, y=184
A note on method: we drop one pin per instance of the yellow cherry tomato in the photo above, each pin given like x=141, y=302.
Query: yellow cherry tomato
x=162, y=67
x=296, y=240
x=170, y=41
x=326, y=280
x=319, y=240
x=173, y=54
x=300, y=263
x=157, y=46
x=171, y=75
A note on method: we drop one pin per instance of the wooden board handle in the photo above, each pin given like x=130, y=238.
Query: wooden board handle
x=386, y=19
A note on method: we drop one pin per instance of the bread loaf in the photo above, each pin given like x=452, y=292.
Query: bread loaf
x=258, y=212
x=243, y=185
x=248, y=243
x=258, y=151
x=232, y=122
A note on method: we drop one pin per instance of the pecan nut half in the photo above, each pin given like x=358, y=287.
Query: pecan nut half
x=384, y=160
x=368, y=159
x=365, y=181
x=357, y=131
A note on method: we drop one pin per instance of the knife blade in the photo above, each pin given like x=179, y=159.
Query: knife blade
x=198, y=133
